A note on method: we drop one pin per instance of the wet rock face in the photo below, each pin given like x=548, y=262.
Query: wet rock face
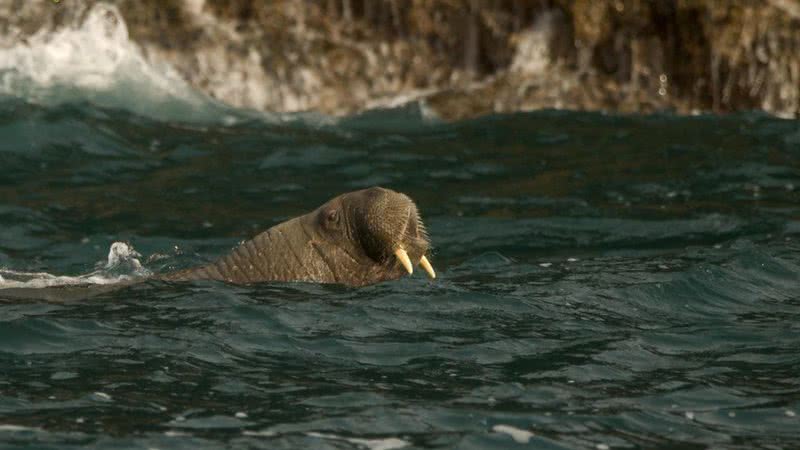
x=462, y=57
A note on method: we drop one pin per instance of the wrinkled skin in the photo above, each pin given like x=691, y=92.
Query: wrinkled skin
x=349, y=240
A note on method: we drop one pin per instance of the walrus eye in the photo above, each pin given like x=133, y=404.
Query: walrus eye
x=333, y=217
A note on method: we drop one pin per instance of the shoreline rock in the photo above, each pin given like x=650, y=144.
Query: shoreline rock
x=462, y=58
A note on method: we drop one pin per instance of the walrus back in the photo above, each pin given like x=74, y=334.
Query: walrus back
x=255, y=260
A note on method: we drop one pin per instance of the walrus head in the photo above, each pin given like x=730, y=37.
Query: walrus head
x=357, y=238
x=378, y=228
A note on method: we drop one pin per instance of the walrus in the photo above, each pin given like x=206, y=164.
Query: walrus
x=355, y=239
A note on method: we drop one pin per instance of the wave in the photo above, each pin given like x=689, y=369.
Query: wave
x=121, y=265
x=95, y=60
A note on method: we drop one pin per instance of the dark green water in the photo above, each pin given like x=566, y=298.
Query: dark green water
x=605, y=282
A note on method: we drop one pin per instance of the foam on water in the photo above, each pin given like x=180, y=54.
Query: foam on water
x=17, y=428
x=121, y=265
x=95, y=60
x=371, y=444
x=520, y=436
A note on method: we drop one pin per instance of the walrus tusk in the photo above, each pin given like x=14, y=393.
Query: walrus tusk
x=403, y=257
x=427, y=266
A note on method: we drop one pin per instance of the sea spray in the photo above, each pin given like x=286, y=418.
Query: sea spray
x=122, y=264
x=95, y=60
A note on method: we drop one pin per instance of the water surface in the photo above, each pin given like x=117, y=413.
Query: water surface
x=604, y=282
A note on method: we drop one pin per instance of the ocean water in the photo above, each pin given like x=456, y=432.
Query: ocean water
x=604, y=282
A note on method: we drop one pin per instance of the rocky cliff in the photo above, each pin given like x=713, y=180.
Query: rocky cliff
x=460, y=58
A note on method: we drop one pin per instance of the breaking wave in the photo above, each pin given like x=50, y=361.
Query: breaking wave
x=94, y=60
x=121, y=265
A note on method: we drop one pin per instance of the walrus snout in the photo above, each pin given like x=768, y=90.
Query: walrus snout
x=393, y=229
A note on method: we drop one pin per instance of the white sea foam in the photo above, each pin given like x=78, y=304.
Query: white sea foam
x=101, y=396
x=520, y=436
x=260, y=433
x=122, y=264
x=372, y=444
x=95, y=60
x=15, y=428
x=120, y=254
